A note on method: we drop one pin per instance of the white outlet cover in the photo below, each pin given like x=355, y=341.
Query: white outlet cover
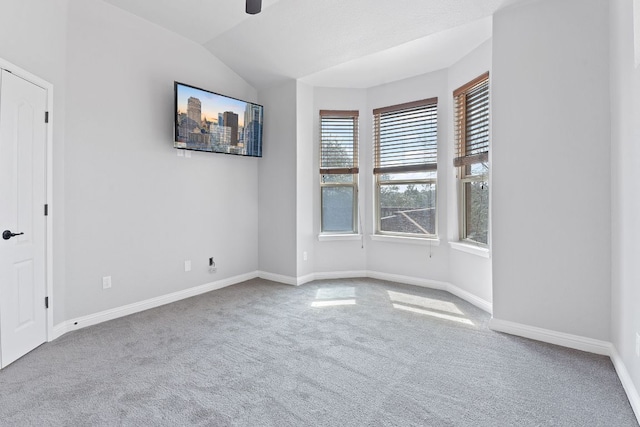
x=187, y=265
x=106, y=282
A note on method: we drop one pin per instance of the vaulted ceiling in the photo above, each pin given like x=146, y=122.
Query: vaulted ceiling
x=338, y=43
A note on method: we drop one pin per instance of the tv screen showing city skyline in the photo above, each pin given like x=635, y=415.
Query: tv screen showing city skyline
x=209, y=121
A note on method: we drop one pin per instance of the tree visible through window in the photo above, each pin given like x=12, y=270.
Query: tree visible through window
x=472, y=158
x=405, y=157
x=339, y=171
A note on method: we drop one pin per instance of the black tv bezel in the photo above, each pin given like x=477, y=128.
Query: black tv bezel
x=175, y=120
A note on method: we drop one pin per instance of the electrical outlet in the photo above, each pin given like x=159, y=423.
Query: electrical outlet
x=304, y=256
x=106, y=282
x=637, y=344
x=187, y=265
x=212, y=266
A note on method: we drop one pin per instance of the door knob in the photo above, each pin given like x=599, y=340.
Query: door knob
x=6, y=234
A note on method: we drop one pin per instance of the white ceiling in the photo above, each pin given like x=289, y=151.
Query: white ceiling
x=340, y=43
x=423, y=55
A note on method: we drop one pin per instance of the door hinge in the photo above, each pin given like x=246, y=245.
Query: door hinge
x=46, y=117
x=46, y=210
x=46, y=302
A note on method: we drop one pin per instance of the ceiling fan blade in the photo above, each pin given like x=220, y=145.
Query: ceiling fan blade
x=253, y=6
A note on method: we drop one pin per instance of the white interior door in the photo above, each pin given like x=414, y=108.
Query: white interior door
x=23, y=319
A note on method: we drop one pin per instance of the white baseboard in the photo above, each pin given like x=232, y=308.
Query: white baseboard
x=287, y=280
x=435, y=284
x=114, y=313
x=627, y=382
x=552, y=337
x=329, y=275
x=470, y=298
x=408, y=280
x=301, y=280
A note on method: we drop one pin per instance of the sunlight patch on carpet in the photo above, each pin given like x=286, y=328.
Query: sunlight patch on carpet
x=433, y=314
x=424, y=302
x=331, y=303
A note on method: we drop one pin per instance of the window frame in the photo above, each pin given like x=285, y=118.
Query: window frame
x=332, y=170
x=379, y=181
x=463, y=162
x=463, y=208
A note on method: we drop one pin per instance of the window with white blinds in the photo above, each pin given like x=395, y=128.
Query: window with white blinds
x=339, y=171
x=338, y=142
x=472, y=122
x=405, y=139
x=472, y=159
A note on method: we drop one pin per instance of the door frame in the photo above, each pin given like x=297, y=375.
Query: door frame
x=48, y=87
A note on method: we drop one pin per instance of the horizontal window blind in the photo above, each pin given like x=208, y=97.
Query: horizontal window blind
x=472, y=122
x=338, y=142
x=406, y=137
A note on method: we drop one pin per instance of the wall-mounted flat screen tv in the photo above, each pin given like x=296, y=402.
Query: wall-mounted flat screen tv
x=208, y=121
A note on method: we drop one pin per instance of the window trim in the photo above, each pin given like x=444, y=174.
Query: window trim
x=379, y=231
x=461, y=160
x=411, y=240
x=471, y=248
x=462, y=209
x=354, y=226
x=379, y=171
x=354, y=171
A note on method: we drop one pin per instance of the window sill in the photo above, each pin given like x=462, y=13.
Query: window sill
x=471, y=249
x=337, y=237
x=432, y=241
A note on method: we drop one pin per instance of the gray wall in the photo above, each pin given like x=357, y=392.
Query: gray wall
x=305, y=174
x=134, y=209
x=550, y=166
x=277, y=181
x=625, y=162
